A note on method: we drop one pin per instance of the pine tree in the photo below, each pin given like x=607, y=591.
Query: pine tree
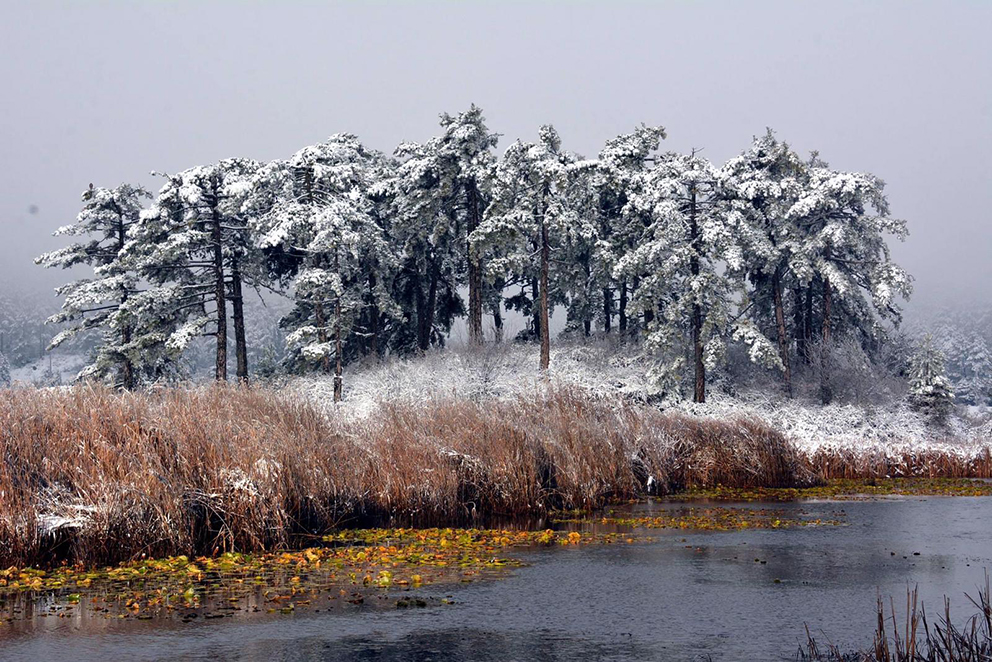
x=23, y=332
x=930, y=391
x=532, y=212
x=464, y=155
x=580, y=276
x=429, y=233
x=321, y=229
x=760, y=187
x=841, y=221
x=443, y=190
x=193, y=247
x=617, y=177
x=679, y=256
x=94, y=303
x=969, y=362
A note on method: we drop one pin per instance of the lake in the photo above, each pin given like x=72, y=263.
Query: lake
x=683, y=595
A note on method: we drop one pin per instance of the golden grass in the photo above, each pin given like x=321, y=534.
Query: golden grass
x=924, y=464
x=92, y=475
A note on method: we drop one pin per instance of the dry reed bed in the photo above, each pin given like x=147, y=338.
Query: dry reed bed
x=92, y=475
x=96, y=476
x=925, y=463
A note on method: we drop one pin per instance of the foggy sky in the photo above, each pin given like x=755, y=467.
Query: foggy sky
x=105, y=92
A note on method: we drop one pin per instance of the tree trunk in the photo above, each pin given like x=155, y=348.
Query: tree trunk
x=127, y=366
x=648, y=314
x=699, y=367
x=799, y=324
x=220, y=295
x=238, y=308
x=475, y=333
x=622, y=320
x=545, y=329
x=420, y=305
x=426, y=318
x=373, y=315
x=497, y=321
x=535, y=306
x=607, y=309
x=337, y=335
x=827, y=304
x=783, y=343
x=826, y=392
x=318, y=311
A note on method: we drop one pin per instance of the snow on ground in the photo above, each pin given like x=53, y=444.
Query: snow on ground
x=500, y=372
x=891, y=430
x=606, y=369
x=53, y=369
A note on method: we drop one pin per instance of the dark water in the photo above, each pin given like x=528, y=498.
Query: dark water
x=705, y=598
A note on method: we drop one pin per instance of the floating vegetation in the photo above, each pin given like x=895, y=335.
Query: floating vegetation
x=848, y=489
x=717, y=519
x=443, y=541
x=351, y=566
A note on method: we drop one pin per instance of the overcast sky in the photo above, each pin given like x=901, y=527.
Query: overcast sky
x=105, y=92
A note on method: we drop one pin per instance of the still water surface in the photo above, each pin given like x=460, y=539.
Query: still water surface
x=684, y=596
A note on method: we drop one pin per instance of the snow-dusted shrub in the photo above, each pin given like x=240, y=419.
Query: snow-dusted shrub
x=851, y=374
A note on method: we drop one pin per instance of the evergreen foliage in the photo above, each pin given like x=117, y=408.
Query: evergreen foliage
x=770, y=255
x=929, y=389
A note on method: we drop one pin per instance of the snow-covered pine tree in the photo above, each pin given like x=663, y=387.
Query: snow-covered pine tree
x=929, y=389
x=842, y=222
x=968, y=360
x=532, y=211
x=463, y=155
x=93, y=303
x=578, y=273
x=760, y=186
x=678, y=256
x=976, y=383
x=22, y=325
x=320, y=226
x=192, y=247
x=425, y=233
x=616, y=177
x=442, y=189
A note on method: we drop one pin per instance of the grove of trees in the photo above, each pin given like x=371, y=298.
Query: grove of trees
x=772, y=252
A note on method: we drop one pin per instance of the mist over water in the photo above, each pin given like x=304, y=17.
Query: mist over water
x=106, y=92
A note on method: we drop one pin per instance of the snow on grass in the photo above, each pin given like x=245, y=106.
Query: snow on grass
x=606, y=369
x=500, y=372
x=893, y=429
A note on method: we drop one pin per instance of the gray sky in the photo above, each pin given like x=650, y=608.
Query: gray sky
x=105, y=92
